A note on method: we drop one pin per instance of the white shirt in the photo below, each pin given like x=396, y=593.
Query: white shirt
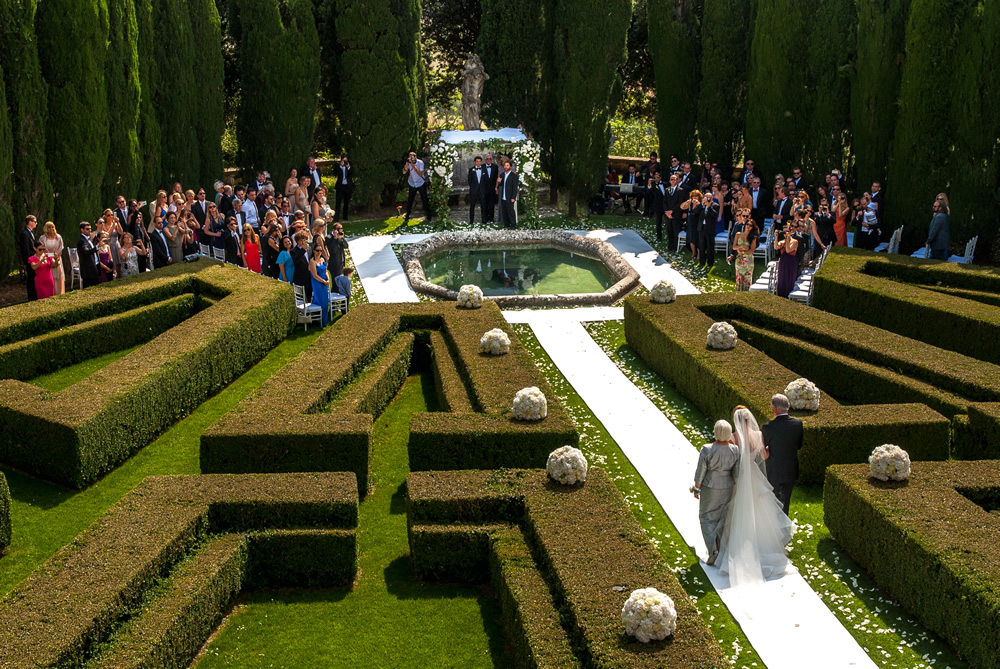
x=479, y=174
x=250, y=209
x=343, y=170
x=414, y=179
x=754, y=193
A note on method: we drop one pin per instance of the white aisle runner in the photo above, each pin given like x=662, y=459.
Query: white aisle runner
x=379, y=270
x=785, y=620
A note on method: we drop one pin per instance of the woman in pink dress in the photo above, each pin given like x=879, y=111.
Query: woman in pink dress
x=54, y=244
x=40, y=262
x=251, y=249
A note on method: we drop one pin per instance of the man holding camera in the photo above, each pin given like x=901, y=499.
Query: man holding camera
x=336, y=246
x=414, y=173
x=344, y=187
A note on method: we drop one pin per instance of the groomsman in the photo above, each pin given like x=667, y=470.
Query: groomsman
x=492, y=173
x=478, y=187
x=26, y=249
x=344, y=187
x=656, y=197
x=675, y=196
x=782, y=441
x=87, y=253
x=508, y=193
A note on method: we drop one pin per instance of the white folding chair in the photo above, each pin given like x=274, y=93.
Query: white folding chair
x=75, y=276
x=205, y=249
x=897, y=235
x=970, y=251
x=338, y=302
x=924, y=252
x=306, y=312
x=218, y=254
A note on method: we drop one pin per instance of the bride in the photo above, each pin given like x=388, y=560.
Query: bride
x=756, y=530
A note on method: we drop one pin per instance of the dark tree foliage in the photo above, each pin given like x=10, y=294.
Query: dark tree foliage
x=674, y=44
x=27, y=101
x=209, y=75
x=279, y=75
x=450, y=30
x=407, y=13
x=918, y=164
x=121, y=78
x=830, y=64
x=722, y=96
x=778, y=100
x=77, y=128
x=175, y=96
x=638, y=98
x=327, y=120
x=588, y=48
x=875, y=90
x=8, y=227
x=975, y=118
x=150, y=137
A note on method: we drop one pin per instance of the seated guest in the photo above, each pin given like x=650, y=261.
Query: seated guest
x=343, y=284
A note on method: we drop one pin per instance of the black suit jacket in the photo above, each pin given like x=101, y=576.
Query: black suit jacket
x=232, y=242
x=302, y=275
x=122, y=218
x=509, y=186
x=305, y=171
x=161, y=256
x=478, y=187
x=492, y=172
x=673, y=203
x=783, y=208
x=87, y=252
x=763, y=208
x=339, y=173
x=26, y=246
x=658, y=200
x=199, y=213
x=783, y=437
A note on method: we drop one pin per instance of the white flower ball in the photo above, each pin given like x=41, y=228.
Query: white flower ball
x=494, y=342
x=530, y=404
x=470, y=297
x=889, y=462
x=663, y=292
x=441, y=170
x=803, y=395
x=721, y=336
x=649, y=615
x=567, y=465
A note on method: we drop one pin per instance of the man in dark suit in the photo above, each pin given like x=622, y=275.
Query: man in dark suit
x=649, y=169
x=878, y=199
x=492, y=174
x=799, y=179
x=675, y=215
x=87, y=253
x=200, y=207
x=656, y=198
x=687, y=181
x=121, y=211
x=231, y=238
x=158, y=244
x=344, y=187
x=749, y=172
x=508, y=193
x=336, y=246
x=760, y=207
x=26, y=249
x=783, y=210
x=631, y=178
x=239, y=215
x=300, y=256
x=939, y=234
x=478, y=185
x=311, y=170
x=782, y=441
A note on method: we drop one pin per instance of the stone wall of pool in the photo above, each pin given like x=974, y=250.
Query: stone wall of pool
x=627, y=277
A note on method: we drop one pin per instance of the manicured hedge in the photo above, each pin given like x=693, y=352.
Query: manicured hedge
x=577, y=543
x=930, y=543
x=76, y=435
x=6, y=529
x=903, y=295
x=339, y=398
x=83, y=603
x=671, y=338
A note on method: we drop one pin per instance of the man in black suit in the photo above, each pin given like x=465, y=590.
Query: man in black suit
x=782, y=441
x=300, y=256
x=344, y=187
x=121, y=211
x=749, y=172
x=87, y=253
x=783, y=210
x=492, y=173
x=687, y=181
x=675, y=215
x=311, y=170
x=649, y=169
x=656, y=198
x=336, y=246
x=478, y=185
x=231, y=238
x=508, y=192
x=878, y=200
x=799, y=179
x=200, y=208
x=158, y=244
x=26, y=249
x=760, y=207
x=239, y=215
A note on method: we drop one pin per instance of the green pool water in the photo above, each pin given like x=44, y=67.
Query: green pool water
x=533, y=270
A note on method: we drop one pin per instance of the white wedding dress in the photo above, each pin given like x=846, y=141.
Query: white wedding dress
x=756, y=529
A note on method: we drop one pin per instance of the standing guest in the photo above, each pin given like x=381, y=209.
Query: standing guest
x=336, y=247
x=857, y=217
x=318, y=237
x=760, y=202
x=842, y=214
x=176, y=202
x=745, y=237
x=492, y=173
x=631, y=178
x=673, y=198
x=87, y=253
x=783, y=207
x=798, y=180
x=320, y=282
x=312, y=171
x=286, y=266
x=250, y=211
x=343, y=283
x=104, y=259
x=943, y=199
x=824, y=230
x=657, y=203
x=212, y=230
x=159, y=246
x=200, y=208
x=175, y=234
x=508, y=188
x=225, y=201
x=750, y=172
x=300, y=258
x=687, y=178
x=939, y=235
x=788, y=263
x=269, y=248
x=319, y=206
x=54, y=245
x=287, y=216
x=822, y=195
x=708, y=224
x=26, y=249
x=260, y=178
x=220, y=190
x=231, y=239
x=251, y=249
x=713, y=485
x=803, y=235
x=782, y=440
x=129, y=254
x=137, y=228
x=239, y=215
x=189, y=200
x=302, y=194
x=121, y=212
x=41, y=262
x=868, y=236
x=649, y=169
x=413, y=170
x=291, y=184
x=191, y=229
x=344, y=187
x=113, y=230
x=157, y=208
x=477, y=191
x=878, y=200
x=675, y=164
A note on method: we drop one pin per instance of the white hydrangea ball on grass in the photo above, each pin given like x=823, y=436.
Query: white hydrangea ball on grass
x=470, y=297
x=567, y=465
x=889, y=462
x=649, y=615
x=803, y=395
x=722, y=336
x=663, y=292
x=530, y=404
x=494, y=342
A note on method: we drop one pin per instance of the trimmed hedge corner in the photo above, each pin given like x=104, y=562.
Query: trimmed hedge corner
x=76, y=435
x=932, y=543
x=365, y=357
x=162, y=540
x=6, y=528
x=563, y=562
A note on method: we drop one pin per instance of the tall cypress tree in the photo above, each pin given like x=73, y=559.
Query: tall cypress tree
x=27, y=99
x=777, y=91
x=410, y=48
x=77, y=128
x=150, y=134
x=674, y=44
x=279, y=68
x=589, y=47
x=376, y=104
x=918, y=164
x=722, y=96
x=8, y=227
x=176, y=97
x=121, y=78
x=875, y=89
x=209, y=119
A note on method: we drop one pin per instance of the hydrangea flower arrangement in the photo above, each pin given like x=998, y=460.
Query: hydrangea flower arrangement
x=889, y=462
x=530, y=404
x=567, y=465
x=803, y=395
x=494, y=342
x=470, y=297
x=722, y=336
x=663, y=292
x=649, y=615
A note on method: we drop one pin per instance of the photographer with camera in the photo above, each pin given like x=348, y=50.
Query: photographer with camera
x=413, y=170
x=336, y=246
x=344, y=187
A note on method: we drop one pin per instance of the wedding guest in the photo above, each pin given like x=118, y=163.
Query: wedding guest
x=416, y=183
x=286, y=266
x=104, y=260
x=320, y=282
x=270, y=247
x=137, y=228
x=745, y=237
x=312, y=171
x=824, y=230
x=842, y=214
x=788, y=263
x=200, y=207
x=87, y=253
x=939, y=235
x=158, y=245
x=477, y=191
x=54, y=244
x=157, y=208
x=344, y=188
x=782, y=442
x=857, y=217
x=191, y=230
x=291, y=184
x=251, y=249
x=508, y=191
x=128, y=255
x=214, y=227
x=713, y=485
x=868, y=236
x=302, y=195
x=343, y=282
x=318, y=203
x=175, y=235
x=336, y=247
x=492, y=173
x=114, y=231
x=300, y=257
x=231, y=240
x=250, y=211
x=41, y=263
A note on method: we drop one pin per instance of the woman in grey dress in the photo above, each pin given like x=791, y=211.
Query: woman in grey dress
x=713, y=485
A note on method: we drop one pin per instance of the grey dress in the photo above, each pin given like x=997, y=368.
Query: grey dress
x=715, y=474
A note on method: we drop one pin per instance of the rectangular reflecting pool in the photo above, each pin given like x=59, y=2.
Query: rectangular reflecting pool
x=523, y=270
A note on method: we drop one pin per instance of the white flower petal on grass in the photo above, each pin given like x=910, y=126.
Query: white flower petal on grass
x=663, y=292
x=721, y=336
x=494, y=342
x=567, y=465
x=470, y=297
x=889, y=462
x=803, y=395
x=530, y=404
x=649, y=615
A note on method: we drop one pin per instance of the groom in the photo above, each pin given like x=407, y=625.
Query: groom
x=713, y=485
x=782, y=441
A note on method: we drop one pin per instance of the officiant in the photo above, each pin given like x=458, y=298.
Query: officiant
x=713, y=485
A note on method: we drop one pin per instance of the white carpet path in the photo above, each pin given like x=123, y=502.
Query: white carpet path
x=785, y=620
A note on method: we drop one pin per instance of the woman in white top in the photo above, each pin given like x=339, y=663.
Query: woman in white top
x=54, y=244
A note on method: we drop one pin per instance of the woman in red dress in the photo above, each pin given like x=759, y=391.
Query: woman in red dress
x=251, y=249
x=842, y=211
x=42, y=263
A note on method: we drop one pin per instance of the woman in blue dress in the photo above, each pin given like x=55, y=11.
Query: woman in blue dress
x=285, y=264
x=320, y=281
